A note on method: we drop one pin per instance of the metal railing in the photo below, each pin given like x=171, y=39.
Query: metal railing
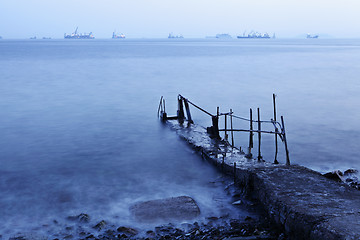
x=214, y=131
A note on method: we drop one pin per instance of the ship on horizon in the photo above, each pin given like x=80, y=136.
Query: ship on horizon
x=115, y=36
x=311, y=36
x=171, y=35
x=76, y=35
x=253, y=34
x=223, y=36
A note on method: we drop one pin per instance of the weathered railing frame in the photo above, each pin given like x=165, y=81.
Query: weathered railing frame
x=214, y=130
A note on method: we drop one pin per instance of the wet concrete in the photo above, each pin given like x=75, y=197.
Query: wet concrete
x=302, y=202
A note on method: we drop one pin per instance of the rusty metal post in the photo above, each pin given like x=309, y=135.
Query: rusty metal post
x=285, y=141
x=232, y=132
x=276, y=142
x=160, y=108
x=215, y=125
x=226, y=135
x=180, y=112
x=188, y=111
x=164, y=105
x=259, y=135
x=251, y=142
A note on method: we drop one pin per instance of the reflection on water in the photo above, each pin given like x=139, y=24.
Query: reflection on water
x=80, y=133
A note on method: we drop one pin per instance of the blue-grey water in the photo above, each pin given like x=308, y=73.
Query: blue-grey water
x=79, y=128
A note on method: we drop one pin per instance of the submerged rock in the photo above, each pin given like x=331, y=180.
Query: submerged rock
x=82, y=217
x=100, y=225
x=349, y=177
x=128, y=231
x=180, y=208
x=350, y=171
x=335, y=175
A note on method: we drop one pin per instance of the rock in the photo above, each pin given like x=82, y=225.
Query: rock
x=350, y=171
x=150, y=234
x=110, y=232
x=334, y=175
x=100, y=225
x=82, y=217
x=128, y=231
x=237, y=202
x=349, y=177
x=179, y=208
x=236, y=224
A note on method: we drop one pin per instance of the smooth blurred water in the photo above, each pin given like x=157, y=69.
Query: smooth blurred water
x=79, y=131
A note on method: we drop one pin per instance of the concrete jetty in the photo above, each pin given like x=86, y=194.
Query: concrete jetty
x=302, y=202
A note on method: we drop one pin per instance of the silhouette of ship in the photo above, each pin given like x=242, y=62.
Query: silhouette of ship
x=115, y=36
x=171, y=35
x=253, y=34
x=311, y=36
x=223, y=35
x=76, y=35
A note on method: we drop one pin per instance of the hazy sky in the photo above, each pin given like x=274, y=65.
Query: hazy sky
x=192, y=18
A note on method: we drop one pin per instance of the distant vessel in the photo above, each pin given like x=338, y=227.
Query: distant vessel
x=223, y=35
x=33, y=37
x=115, y=36
x=46, y=38
x=76, y=35
x=311, y=36
x=253, y=34
x=171, y=35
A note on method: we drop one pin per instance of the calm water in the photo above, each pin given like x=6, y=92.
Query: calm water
x=79, y=131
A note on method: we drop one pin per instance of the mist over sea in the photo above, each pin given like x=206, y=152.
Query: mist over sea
x=79, y=128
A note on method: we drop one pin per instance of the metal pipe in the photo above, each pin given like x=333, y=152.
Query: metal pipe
x=259, y=135
x=276, y=142
x=285, y=141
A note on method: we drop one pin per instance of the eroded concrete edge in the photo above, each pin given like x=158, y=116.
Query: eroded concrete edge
x=297, y=224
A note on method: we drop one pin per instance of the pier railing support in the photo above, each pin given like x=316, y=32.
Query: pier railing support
x=276, y=130
x=215, y=127
x=188, y=111
x=180, y=112
x=232, y=132
x=259, y=135
x=251, y=141
x=214, y=131
x=226, y=135
x=285, y=141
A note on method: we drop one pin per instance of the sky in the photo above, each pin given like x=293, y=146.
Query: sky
x=191, y=18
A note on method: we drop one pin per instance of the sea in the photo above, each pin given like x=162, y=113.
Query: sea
x=80, y=132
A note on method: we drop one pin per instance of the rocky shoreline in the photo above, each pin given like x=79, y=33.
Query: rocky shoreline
x=226, y=226
x=215, y=228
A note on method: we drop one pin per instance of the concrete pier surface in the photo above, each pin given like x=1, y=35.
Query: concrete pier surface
x=302, y=202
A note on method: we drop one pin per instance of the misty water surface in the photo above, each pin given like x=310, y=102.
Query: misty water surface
x=79, y=130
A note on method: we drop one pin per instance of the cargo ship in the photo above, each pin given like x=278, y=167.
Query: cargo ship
x=253, y=34
x=311, y=36
x=76, y=35
x=223, y=35
x=171, y=35
x=115, y=36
